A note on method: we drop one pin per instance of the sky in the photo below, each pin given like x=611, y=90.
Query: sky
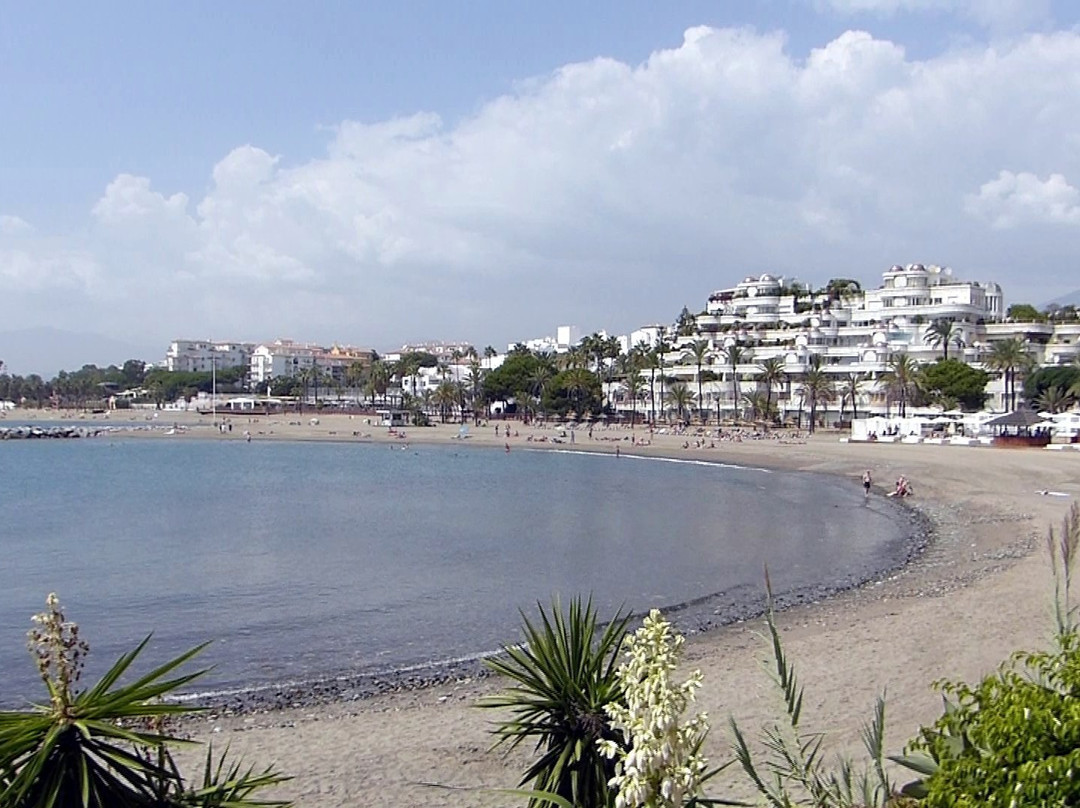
x=373, y=173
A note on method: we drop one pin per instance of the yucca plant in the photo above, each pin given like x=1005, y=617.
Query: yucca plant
x=564, y=675
x=106, y=745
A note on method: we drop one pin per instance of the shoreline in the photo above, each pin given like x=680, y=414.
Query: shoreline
x=694, y=617
x=979, y=591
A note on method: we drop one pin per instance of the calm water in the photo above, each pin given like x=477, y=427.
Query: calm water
x=302, y=559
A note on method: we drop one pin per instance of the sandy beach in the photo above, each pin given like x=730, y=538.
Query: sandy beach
x=980, y=591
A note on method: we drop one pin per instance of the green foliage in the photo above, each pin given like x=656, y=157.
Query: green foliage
x=576, y=391
x=956, y=380
x=842, y=287
x=1064, y=377
x=105, y=746
x=794, y=771
x=1014, y=738
x=1024, y=313
x=564, y=678
x=686, y=324
x=169, y=385
x=515, y=373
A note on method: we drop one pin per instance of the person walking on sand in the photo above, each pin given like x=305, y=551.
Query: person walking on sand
x=866, y=483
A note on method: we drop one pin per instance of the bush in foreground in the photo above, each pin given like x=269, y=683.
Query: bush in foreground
x=105, y=746
x=565, y=678
x=1014, y=738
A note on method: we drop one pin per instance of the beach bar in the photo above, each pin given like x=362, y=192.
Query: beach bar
x=1020, y=428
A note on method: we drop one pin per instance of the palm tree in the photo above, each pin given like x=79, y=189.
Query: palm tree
x=378, y=379
x=446, y=397
x=538, y=380
x=733, y=355
x=680, y=397
x=649, y=362
x=476, y=387
x=1009, y=357
x=851, y=389
x=1054, y=400
x=756, y=405
x=662, y=347
x=942, y=333
x=900, y=379
x=578, y=382
x=771, y=373
x=699, y=353
x=817, y=387
x=634, y=387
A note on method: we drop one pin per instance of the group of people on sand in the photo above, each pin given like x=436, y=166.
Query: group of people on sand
x=903, y=487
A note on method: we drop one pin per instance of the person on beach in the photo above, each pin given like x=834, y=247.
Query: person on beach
x=866, y=483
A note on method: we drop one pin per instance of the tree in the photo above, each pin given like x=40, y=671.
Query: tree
x=574, y=390
x=378, y=379
x=953, y=380
x=771, y=373
x=680, y=397
x=634, y=387
x=1024, y=313
x=756, y=405
x=445, y=398
x=900, y=379
x=699, y=353
x=686, y=324
x=477, y=383
x=851, y=388
x=942, y=333
x=517, y=372
x=1009, y=357
x=1064, y=377
x=817, y=387
x=838, y=288
x=733, y=355
x=662, y=347
x=1054, y=400
x=649, y=361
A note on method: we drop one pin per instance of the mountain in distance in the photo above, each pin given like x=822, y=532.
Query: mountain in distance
x=46, y=351
x=1071, y=299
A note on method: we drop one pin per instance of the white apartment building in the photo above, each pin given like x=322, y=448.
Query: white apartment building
x=853, y=331
x=284, y=357
x=565, y=338
x=202, y=356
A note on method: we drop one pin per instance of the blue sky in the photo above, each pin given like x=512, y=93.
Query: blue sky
x=374, y=173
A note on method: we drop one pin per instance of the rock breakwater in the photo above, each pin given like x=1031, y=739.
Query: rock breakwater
x=34, y=432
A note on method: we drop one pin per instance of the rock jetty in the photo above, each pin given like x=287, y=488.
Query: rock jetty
x=28, y=432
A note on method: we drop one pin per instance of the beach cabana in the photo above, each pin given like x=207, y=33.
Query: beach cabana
x=1021, y=427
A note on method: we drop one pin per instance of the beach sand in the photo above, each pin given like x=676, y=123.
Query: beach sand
x=980, y=591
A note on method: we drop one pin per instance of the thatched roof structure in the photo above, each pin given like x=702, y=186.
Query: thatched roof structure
x=1022, y=418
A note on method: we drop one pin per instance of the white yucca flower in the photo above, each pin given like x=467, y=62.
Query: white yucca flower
x=663, y=766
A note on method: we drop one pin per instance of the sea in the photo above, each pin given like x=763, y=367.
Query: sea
x=299, y=561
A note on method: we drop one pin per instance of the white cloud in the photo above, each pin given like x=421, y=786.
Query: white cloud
x=14, y=225
x=1013, y=200
x=603, y=194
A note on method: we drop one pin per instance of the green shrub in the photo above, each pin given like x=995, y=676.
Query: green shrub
x=565, y=677
x=1013, y=739
x=105, y=746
